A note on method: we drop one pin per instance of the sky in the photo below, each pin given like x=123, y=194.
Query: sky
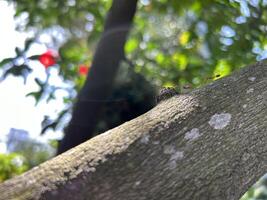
x=16, y=110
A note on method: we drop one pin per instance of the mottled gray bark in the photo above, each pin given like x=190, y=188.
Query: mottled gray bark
x=208, y=144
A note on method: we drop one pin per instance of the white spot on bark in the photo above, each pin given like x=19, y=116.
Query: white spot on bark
x=30, y=182
x=137, y=183
x=166, y=125
x=192, y=135
x=127, y=140
x=176, y=156
x=220, y=121
x=252, y=78
x=185, y=128
x=145, y=139
x=250, y=90
x=168, y=149
x=156, y=142
x=93, y=169
x=89, y=169
x=172, y=164
x=245, y=106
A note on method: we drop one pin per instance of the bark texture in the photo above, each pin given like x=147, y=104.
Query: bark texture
x=208, y=144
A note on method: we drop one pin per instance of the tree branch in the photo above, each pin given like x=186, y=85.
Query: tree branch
x=209, y=144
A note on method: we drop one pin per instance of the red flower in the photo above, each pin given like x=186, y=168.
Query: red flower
x=83, y=70
x=48, y=58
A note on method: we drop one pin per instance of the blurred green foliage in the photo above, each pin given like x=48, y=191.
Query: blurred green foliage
x=258, y=191
x=24, y=156
x=183, y=44
x=33, y=152
x=10, y=165
x=173, y=43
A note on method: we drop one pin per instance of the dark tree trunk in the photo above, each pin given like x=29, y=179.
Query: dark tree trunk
x=98, y=86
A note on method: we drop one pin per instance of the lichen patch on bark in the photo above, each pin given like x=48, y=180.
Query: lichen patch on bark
x=220, y=121
x=192, y=135
x=252, y=78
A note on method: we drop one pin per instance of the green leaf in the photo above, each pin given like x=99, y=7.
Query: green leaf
x=160, y=58
x=34, y=57
x=180, y=61
x=39, y=82
x=18, y=70
x=18, y=51
x=6, y=61
x=36, y=95
x=131, y=45
x=222, y=68
x=28, y=43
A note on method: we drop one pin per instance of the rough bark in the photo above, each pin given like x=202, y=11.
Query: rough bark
x=208, y=144
x=98, y=85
